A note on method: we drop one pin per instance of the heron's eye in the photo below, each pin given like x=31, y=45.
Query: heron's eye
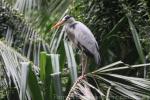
x=67, y=17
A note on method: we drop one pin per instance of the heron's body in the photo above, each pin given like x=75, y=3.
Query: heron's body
x=82, y=37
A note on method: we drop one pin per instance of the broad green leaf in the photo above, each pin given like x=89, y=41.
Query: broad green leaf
x=34, y=86
x=47, y=81
x=137, y=43
x=136, y=40
x=42, y=65
x=61, y=51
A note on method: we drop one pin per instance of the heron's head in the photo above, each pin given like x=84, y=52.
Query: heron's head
x=68, y=19
x=65, y=20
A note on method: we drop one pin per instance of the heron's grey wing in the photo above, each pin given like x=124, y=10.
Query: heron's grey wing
x=84, y=37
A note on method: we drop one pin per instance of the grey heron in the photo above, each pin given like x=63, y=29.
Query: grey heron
x=81, y=36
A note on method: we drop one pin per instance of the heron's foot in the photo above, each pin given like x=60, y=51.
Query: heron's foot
x=82, y=77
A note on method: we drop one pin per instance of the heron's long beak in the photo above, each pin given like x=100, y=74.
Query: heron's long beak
x=58, y=24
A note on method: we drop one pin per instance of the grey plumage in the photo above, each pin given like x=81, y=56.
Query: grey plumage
x=82, y=37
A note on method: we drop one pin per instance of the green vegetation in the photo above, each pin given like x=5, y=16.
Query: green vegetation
x=39, y=63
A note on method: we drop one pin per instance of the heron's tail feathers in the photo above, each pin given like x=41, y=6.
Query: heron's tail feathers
x=97, y=58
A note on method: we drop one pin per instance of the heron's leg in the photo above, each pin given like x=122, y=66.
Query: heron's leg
x=84, y=68
x=82, y=63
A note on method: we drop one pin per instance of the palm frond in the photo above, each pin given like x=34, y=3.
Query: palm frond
x=15, y=69
x=113, y=84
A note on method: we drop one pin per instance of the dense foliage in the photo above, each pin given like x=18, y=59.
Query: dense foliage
x=109, y=21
